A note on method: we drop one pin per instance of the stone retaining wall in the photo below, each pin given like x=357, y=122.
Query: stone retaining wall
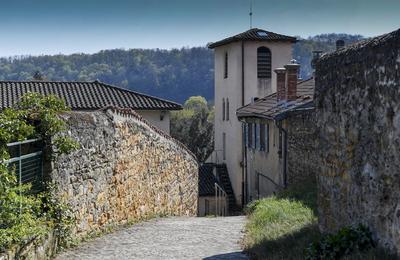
x=303, y=158
x=125, y=170
x=358, y=113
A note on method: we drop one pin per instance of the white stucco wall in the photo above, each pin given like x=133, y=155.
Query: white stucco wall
x=231, y=88
x=267, y=163
x=154, y=117
x=203, y=200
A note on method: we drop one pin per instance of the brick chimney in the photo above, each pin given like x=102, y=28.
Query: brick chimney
x=280, y=83
x=292, y=74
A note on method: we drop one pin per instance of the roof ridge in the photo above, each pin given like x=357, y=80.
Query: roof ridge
x=251, y=35
x=46, y=81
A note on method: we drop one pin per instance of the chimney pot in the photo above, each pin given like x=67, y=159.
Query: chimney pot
x=280, y=83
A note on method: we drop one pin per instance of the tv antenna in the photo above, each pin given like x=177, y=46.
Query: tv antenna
x=251, y=14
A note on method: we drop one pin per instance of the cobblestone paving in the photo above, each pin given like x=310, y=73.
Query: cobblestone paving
x=168, y=238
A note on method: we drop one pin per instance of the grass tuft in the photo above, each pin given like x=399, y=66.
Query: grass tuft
x=283, y=226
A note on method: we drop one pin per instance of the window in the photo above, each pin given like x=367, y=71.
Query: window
x=223, y=109
x=267, y=138
x=254, y=137
x=249, y=135
x=257, y=135
x=262, y=33
x=263, y=63
x=262, y=137
x=226, y=66
x=224, y=146
x=227, y=109
x=245, y=134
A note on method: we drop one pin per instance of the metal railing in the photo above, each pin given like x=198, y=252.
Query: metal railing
x=220, y=201
x=265, y=178
x=27, y=162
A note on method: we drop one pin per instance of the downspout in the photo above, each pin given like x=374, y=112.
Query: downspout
x=244, y=152
x=284, y=170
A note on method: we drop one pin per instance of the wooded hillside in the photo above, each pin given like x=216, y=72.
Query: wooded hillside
x=173, y=74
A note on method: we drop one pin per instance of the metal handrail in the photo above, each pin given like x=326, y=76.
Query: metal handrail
x=259, y=174
x=24, y=142
x=220, y=206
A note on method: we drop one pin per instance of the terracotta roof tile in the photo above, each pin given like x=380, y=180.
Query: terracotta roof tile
x=83, y=95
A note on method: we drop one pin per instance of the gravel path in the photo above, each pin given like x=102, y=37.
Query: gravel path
x=168, y=238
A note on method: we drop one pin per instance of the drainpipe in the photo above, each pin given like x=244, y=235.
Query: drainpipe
x=284, y=170
x=244, y=155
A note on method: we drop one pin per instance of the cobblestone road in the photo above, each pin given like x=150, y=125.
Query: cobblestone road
x=168, y=238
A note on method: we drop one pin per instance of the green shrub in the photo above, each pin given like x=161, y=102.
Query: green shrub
x=22, y=215
x=344, y=242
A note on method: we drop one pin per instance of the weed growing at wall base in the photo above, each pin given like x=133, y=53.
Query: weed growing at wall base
x=345, y=241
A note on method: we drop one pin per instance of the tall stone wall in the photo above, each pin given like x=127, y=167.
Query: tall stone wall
x=358, y=114
x=303, y=158
x=125, y=170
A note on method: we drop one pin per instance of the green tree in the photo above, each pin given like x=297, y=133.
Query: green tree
x=193, y=126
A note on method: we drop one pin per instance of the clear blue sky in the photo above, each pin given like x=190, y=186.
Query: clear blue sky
x=70, y=26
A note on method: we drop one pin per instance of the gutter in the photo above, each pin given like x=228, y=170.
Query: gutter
x=285, y=134
x=244, y=152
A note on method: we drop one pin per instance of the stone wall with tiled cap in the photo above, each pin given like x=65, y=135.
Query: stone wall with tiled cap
x=357, y=98
x=125, y=170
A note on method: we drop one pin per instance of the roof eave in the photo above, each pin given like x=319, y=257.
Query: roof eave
x=222, y=43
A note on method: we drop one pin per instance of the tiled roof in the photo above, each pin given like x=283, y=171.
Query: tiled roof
x=268, y=107
x=254, y=35
x=83, y=95
x=206, y=180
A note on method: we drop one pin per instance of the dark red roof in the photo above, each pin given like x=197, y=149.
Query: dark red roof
x=254, y=35
x=83, y=95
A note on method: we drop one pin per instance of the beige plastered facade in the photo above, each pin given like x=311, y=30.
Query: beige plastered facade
x=158, y=118
x=230, y=88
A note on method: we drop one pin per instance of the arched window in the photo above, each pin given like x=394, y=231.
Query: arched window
x=263, y=63
x=226, y=66
x=223, y=109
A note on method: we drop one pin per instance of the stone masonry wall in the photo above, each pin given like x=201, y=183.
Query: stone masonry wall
x=124, y=171
x=358, y=113
x=303, y=159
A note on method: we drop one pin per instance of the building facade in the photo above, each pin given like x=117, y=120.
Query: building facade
x=243, y=72
x=280, y=137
